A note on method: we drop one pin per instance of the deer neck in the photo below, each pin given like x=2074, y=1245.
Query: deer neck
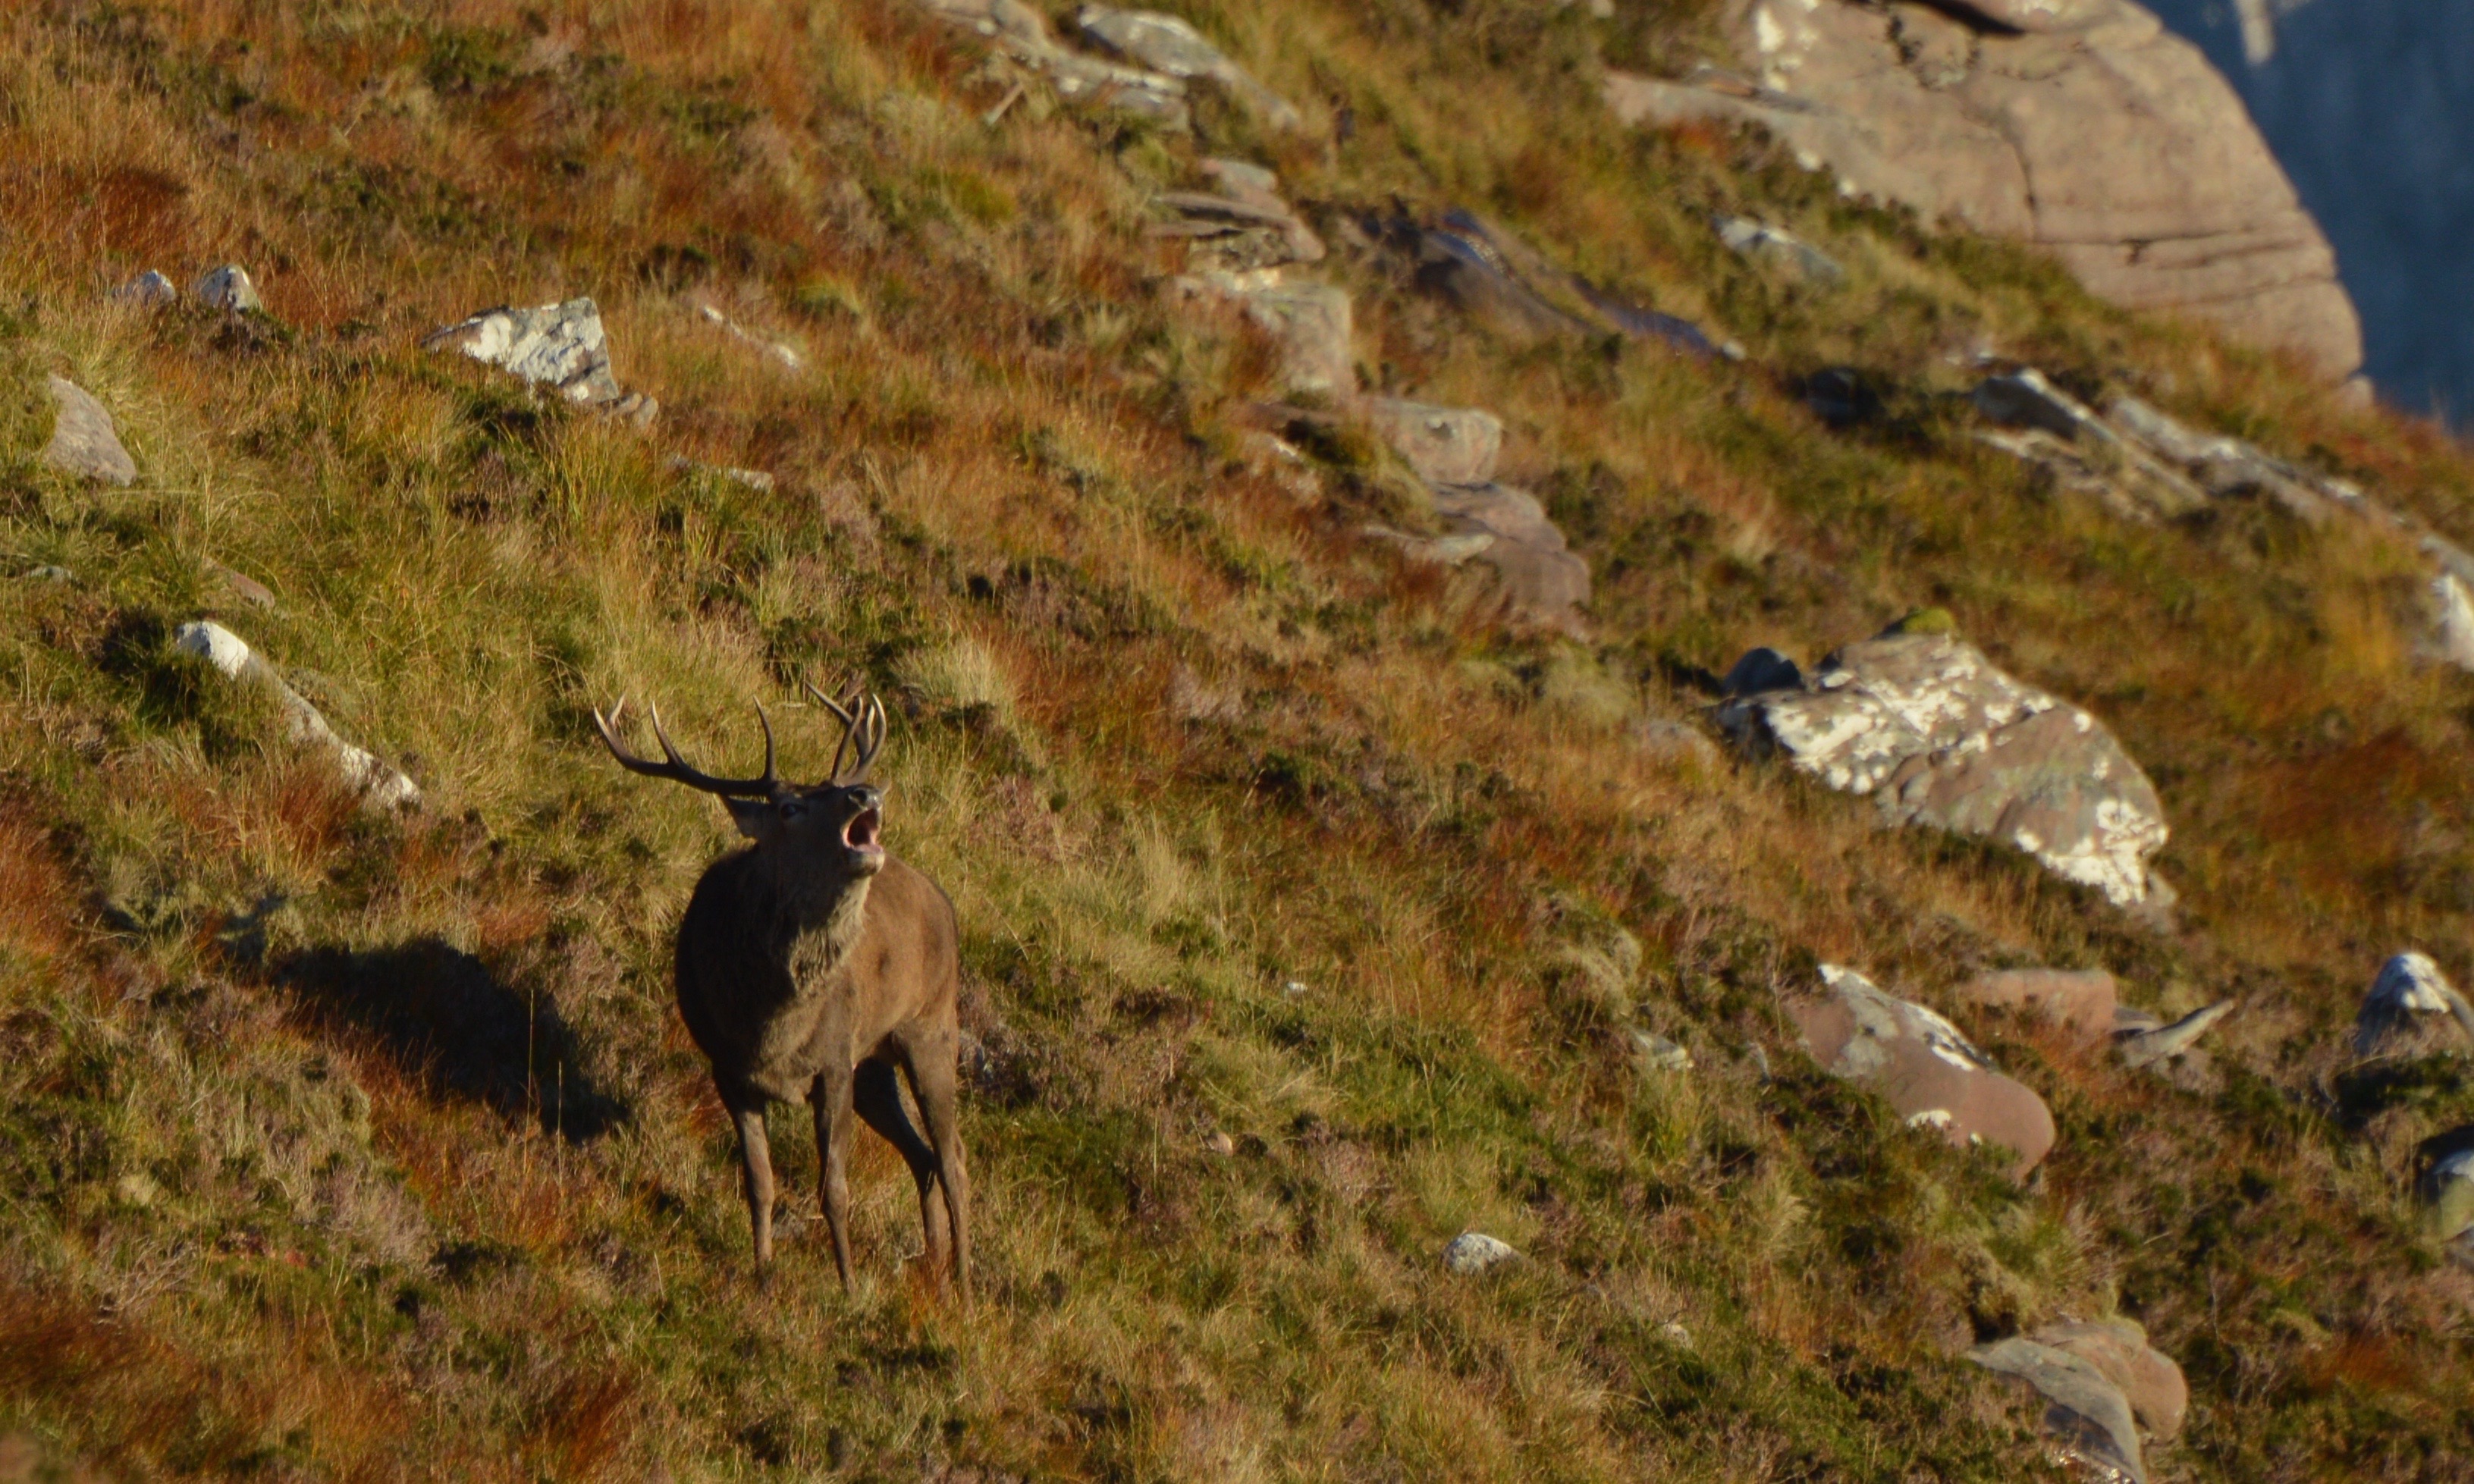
x=821, y=918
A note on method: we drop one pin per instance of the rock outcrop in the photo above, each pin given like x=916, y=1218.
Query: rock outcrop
x=2092, y=131
x=84, y=442
x=2101, y=1384
x=1442, y=445
x=1921, y=1065
x=1169, y=45
x=1542, y=582
x=1926, y=725
x=379, y=786
x=560, y=346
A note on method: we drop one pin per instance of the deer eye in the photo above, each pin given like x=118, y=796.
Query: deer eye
x=793, y=810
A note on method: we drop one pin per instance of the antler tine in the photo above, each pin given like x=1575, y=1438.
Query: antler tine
x=826, y=701
x=677, y=769
x=870, y=735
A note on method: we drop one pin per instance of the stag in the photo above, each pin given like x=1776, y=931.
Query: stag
x=811, y=964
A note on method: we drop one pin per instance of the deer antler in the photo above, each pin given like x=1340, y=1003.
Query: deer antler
x=678, y=770
x=866, y=730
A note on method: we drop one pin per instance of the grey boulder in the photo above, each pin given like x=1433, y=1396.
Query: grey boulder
x=560, y=346
x=1170, y=45
x=1930, y=728
x=84, y=443
x=149, y=290
x=1920, y=1063
x=1474, y=1252
x=2086, y=1415
x=2412, y=1010
x=2444, y=1183
x=1760, y=242
x=228, y=288
x=2147, y=1377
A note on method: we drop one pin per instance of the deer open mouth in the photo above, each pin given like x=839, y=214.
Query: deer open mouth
x=861, y=833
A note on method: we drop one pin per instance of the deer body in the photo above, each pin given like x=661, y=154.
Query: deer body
x=813, y=967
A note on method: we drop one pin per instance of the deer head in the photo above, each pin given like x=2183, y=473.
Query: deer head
x=832, y=829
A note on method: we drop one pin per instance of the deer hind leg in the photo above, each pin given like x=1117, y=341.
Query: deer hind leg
x=830, y=1097
x=932, y=1083
x=755, y=1175
x=878, y=1099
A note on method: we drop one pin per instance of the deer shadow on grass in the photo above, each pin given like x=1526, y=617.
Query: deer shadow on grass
x=455, y=1032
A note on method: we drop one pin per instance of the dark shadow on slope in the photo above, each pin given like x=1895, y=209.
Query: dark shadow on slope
x=455, y=1032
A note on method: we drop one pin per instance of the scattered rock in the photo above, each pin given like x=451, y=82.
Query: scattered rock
x=1750, y=239
x=2412, y=1009
x=1930, y=728
x=149, y=290
x=1131, y=90
x=1921, y=1065
x=561, y=346
x=1657, y=1054
x=1312, y=327
x=1009, y=20
x=228, y=288
x=1500, y=280
x=2173, y=1050
x=1218, y=1142
x=2147, y=1377
x=84, y=442
x=1171, y=46
x=2081, y=999
x=756, y=480
x=1443, y=445
x=2086, y=1415
x=2227, y=467
x=2061, y=436
x=1674, y=1333
x=50, y=573
x=1474, y=1252
x=787, y=355
x=2109, y=140
x=2446, y=1183
x=379, y=786
x=1542, y=580
x=1238, y=233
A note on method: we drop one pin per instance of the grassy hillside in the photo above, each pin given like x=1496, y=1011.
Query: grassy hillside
x=342, y=1146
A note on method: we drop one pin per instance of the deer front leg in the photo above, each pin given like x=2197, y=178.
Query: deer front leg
x=756, y=1169
x=830, y=1097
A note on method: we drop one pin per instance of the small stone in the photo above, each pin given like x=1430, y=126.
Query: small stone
x=247, y=589
x=782, y=353
x=84, y=442
x=2453, y=621
x=1657, y=1054
x=1757, y=241
x=756, y=480
x=1220, y=1143
x=149, y=290
x=1474, y=1252
x=228, y=288
x=1293, y=986
x=1675, y=1334
x=2445, y=1185
x=48, y=573
x=379, y=786
x=138, y=1188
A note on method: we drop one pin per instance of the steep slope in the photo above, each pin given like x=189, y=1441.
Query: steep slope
x=1314, y=912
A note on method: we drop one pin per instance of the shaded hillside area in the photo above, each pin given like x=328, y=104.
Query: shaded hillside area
x=1313, y=905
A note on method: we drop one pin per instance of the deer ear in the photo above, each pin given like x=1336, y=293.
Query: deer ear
x=754, y=817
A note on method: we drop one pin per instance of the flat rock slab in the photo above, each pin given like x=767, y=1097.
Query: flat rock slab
x=1443, y=445
x=1921, y=1065
x=1928, y=728
x=1542, y=580
x=84, y=443
x=2084, y=1000
x=2147, y=1377
x=2092, y=130
x=2086, y=1415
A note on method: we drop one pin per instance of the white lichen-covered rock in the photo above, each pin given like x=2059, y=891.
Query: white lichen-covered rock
x=1928, y=728
x=560, y=346
x=379, y=786
x=2092, y=131
x=1930, y=1075
x=1474, y=1252
x=2086, y=1415
x=1170, y=45
x=228, y=288
x=2412, y=1009
x=84, y=442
